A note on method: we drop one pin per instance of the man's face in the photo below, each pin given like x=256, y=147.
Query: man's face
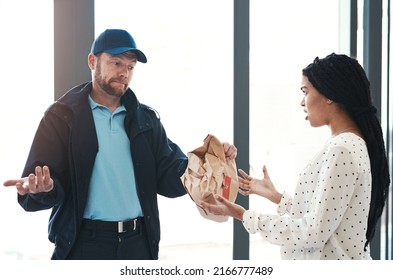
x=113, y=73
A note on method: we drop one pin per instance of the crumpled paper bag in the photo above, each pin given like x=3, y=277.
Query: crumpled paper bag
x=209, y=172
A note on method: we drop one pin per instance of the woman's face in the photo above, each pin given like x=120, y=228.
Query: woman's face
x=314, y=104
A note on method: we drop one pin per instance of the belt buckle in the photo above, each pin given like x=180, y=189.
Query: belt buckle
x=120, y=227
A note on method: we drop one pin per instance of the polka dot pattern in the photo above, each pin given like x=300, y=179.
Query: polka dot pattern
x=327, y=216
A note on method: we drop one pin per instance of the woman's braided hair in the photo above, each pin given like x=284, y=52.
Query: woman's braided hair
x=342, y=79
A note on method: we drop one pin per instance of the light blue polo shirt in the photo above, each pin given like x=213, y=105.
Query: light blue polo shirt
x=112, y=191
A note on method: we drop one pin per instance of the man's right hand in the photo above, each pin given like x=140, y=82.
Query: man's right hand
x=34, y=183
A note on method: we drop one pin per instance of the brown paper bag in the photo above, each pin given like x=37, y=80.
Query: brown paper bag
x=209, y=172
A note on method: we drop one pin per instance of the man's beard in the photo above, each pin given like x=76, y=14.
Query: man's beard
x=105, y=86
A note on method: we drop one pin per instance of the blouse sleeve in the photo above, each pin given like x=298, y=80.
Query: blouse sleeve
x=285, y=204
x=333, y=191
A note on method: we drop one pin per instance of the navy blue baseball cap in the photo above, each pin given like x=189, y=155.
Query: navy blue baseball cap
x=116, y=41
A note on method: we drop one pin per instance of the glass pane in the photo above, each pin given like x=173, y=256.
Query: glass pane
x=285, y=37
x=188, y=79
x=27, y=90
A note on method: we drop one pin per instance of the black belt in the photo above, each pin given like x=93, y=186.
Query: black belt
x=123, y=226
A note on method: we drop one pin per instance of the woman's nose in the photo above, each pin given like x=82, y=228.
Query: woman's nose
x=302, y=103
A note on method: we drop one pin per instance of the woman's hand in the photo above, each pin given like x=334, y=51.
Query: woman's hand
x=265, y=188
x=219, y=205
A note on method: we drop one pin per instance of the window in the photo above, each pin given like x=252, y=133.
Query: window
x=188, y=79
x=27, y=90
x=285, y=37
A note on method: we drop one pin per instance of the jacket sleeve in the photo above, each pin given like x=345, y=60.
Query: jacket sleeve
x=171, y=164
x=48, y=148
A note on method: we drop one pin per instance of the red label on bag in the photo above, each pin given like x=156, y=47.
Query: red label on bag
x=226, y=186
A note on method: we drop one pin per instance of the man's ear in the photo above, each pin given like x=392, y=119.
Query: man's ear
x=91, y=61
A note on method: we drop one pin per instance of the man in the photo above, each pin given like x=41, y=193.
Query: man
x=99, y=158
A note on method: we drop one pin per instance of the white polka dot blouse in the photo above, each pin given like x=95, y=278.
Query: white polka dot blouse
x=327, y=216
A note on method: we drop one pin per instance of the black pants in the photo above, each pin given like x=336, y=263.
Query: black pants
x=93, y=244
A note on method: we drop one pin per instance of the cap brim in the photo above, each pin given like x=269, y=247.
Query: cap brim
x=139, y=54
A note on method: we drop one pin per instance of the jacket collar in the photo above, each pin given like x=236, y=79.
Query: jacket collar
x=76, y=102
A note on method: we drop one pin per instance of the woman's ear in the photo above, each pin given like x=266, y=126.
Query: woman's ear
x=329, y=101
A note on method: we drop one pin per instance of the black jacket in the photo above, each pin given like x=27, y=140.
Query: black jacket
x=66, y=142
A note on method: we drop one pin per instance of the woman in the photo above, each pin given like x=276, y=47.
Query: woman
x=341, y=193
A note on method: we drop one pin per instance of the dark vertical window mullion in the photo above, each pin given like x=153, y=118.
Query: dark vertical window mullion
x=388, y=210
x=372, y=56
x=73, y=35
x=354, y=28
x=241, y=241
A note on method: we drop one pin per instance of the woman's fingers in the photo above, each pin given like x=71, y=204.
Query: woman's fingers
x=265, y=173
x=243, y=192
x=244, y=174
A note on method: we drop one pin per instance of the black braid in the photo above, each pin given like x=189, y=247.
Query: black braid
x=343, y=80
